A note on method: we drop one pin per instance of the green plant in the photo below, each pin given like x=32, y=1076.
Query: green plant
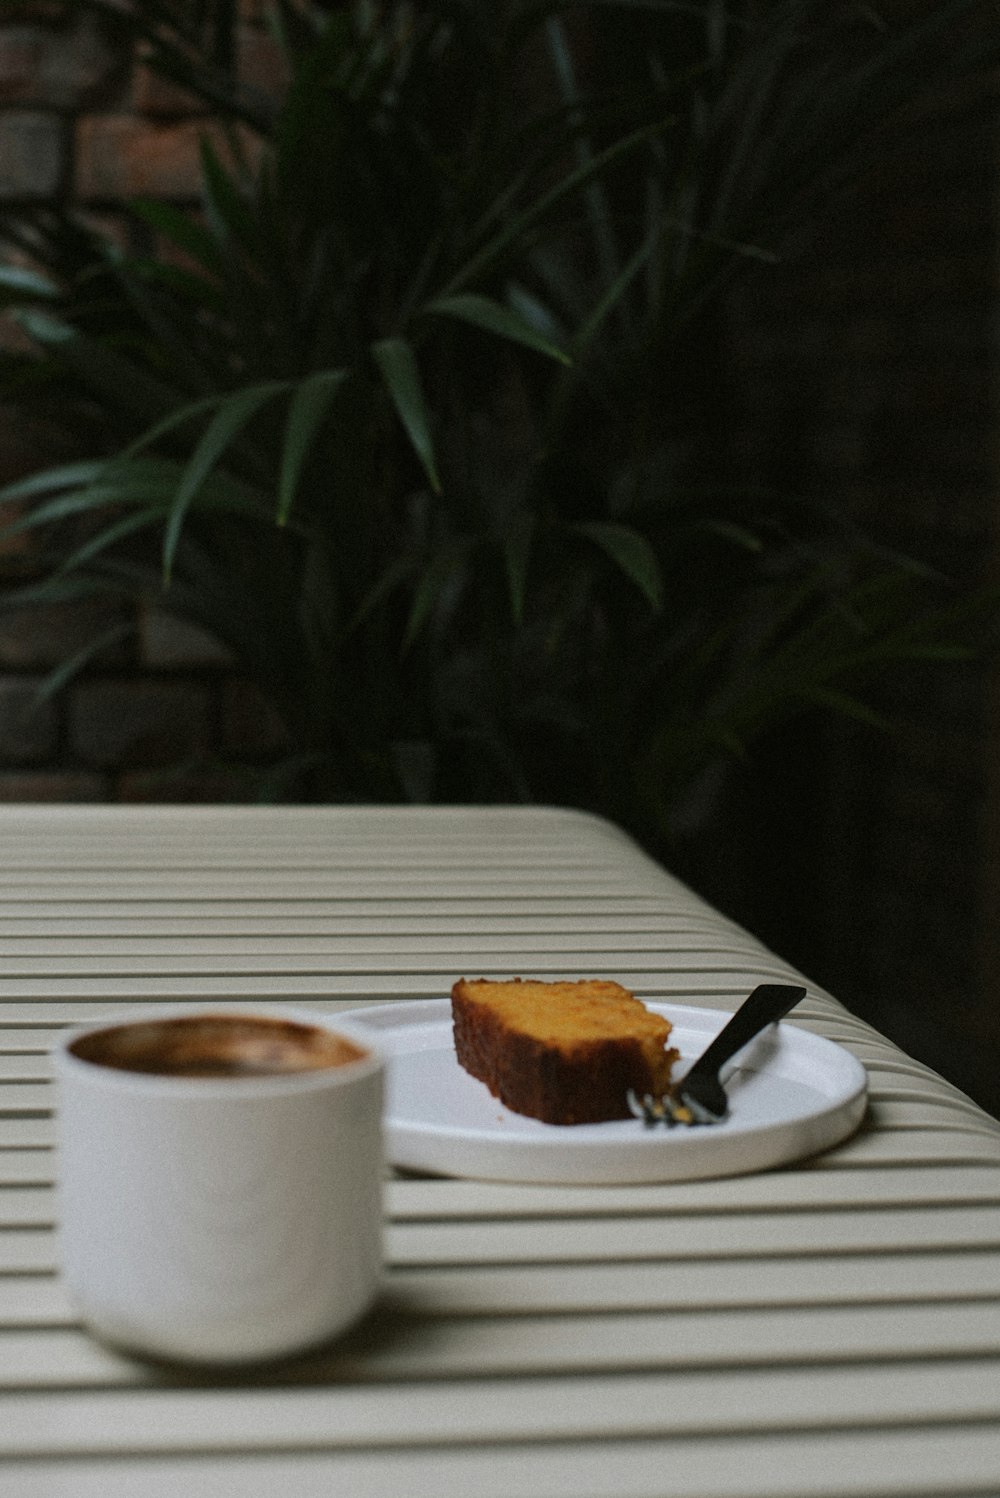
x=418, y=412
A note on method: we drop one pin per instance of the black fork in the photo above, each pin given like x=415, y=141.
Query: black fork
x=699, y=1097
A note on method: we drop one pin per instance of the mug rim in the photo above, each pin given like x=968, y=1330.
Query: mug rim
x=94, y=1073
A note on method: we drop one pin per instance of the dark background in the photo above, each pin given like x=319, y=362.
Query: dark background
x=865, y=375
x=862, y=374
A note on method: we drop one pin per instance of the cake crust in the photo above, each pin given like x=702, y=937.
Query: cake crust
x=564, y=1053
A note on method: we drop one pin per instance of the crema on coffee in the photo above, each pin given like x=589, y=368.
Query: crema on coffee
x=217, y=1045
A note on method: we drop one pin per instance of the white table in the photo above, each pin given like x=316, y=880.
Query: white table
x=830, y=1328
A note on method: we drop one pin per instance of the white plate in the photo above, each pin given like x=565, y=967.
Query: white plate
x=791, y=1094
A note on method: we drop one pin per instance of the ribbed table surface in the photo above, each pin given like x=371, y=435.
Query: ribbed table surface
x=829, y=1328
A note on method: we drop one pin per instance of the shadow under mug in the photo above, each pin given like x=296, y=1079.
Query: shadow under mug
x=220, y=1178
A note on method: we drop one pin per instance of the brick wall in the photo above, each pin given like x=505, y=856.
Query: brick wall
x=160, y=714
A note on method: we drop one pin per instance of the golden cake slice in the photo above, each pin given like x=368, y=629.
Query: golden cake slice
x=566, y=1053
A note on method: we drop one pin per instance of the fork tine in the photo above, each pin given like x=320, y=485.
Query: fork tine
x=697, y=1112
x=652, y=1110
x=641, y=1107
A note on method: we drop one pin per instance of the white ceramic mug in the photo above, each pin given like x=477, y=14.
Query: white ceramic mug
x=219, y=1218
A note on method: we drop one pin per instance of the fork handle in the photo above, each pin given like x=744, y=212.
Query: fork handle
x=767, y=1003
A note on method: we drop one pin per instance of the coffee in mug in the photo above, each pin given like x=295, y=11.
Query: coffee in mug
x=220, y=1176
x=217, y=1045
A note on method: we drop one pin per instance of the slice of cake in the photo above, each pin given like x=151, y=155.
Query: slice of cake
x=566, y=1053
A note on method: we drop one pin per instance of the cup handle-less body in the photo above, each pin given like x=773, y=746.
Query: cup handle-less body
x=220, y=1221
